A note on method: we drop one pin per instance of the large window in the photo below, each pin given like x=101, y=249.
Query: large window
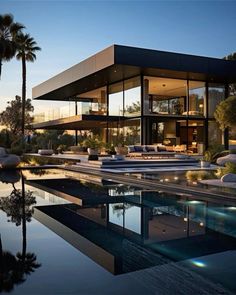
x=93, y=102
x=132, y=97
x=116, y=99
x=197, y=98
x=125, y=132
x=216, y=93
x=164, y=96
x=214, y=133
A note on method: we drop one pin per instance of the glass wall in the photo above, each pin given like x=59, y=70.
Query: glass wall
x=197, y=98
x=125, y=132
x=62, y=110
x=93, y=102
x=216, y=93
x=214, y=133
x=164, y=96
x=132, y=97
x=196, y=136
x=116, y=99
x=170, y=132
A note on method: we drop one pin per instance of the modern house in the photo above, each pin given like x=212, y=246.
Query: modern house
x=141, y=96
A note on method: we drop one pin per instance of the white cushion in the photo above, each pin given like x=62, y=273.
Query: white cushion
x=45, y=152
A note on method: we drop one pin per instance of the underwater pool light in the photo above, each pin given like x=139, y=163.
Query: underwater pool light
x=232, y=208
x=198, y=263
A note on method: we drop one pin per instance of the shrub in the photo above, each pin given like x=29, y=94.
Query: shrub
x=229, y=168
x=199, y=175
x=233, y=151
x=214, y=152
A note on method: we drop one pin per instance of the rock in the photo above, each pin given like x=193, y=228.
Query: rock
x=229, y=158
x=229, y=177
x=2, y=152
x=9, y=161
x=9, y=176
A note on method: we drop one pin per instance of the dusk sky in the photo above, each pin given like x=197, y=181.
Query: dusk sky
x=69, y=31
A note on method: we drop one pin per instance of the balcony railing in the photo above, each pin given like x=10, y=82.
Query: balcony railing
x=83, y=108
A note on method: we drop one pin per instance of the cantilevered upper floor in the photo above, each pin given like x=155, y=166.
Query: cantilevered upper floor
x=117, y=63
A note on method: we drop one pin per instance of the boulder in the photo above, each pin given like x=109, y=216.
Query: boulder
x=229, y=158
x=229, y=177
x=9, y=161
x=9, y=176
x=2, y=152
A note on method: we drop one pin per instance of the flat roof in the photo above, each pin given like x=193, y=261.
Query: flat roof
x=119, y=62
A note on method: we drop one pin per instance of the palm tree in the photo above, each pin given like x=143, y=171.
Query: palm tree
x=18, y=206
x=26, y=48
x=8, y=32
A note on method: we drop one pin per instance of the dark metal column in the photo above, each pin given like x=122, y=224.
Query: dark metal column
x=206, y=120
x=76, y=131
x=226, y=131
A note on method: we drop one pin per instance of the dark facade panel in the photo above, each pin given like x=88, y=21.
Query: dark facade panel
x=122, y=62
x=89, y=66
x=147, y=58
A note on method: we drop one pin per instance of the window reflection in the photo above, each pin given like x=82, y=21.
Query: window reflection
x=126, y=215
x=197, y=93
x=132, y=96
x=93, y=102
x=215, y=133
x=125, y=132
x=116, y=99
x=216, y=93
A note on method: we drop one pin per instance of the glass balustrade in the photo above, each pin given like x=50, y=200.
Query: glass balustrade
x=83, y=108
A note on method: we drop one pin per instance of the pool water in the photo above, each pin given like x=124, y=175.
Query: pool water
x=69, y=233
x=186, y=178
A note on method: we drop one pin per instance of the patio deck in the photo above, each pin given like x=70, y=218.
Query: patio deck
x=106, y=162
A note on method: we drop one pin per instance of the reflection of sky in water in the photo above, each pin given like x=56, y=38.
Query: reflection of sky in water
x=65, y=269
x=130, y=217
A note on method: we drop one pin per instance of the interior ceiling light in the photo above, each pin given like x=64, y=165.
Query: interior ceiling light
x=163, y=85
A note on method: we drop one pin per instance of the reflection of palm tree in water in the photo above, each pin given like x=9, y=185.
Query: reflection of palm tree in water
x=14, y=268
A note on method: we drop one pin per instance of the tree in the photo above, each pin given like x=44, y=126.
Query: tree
x=225, y=113
x=13, y=269
x=12, y=117
x=26, y=48
x=8, y=32
x=18, y=206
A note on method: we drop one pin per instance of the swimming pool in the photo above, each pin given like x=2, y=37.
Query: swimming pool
x=77, y=234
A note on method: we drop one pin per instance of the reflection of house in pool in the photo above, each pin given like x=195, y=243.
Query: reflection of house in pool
x=138, y=232
x=82, y=192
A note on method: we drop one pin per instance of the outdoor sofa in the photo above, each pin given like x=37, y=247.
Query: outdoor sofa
x=150, y=151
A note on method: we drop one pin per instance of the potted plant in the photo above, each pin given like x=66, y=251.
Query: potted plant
x=110, y=149
x=206, y=160
x=93, y=144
